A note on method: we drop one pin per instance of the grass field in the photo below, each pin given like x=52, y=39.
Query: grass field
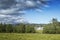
x=27, y=36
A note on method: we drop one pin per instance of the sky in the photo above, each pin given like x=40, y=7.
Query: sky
x=46, y=14
x=31, y=11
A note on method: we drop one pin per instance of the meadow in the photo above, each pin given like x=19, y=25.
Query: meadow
x=28, y=36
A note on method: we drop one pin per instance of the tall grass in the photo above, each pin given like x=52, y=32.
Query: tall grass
x=28, y=36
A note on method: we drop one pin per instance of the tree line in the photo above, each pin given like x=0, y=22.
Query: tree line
x=18, y=28
x=53, y=27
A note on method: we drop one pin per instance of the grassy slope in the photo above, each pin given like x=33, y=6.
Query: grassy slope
x=17, y=36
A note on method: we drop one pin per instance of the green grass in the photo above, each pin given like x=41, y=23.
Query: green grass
x=28, y=36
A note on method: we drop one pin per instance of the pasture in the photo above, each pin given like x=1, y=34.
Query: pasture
x=29, y=36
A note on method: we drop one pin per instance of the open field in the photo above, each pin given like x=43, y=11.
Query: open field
x=28, y=36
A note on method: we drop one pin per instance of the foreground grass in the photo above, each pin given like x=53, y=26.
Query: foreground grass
x=27, y=36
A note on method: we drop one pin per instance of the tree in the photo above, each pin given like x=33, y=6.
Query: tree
x=9, y=28
x=21, y=28
x=1, y=27
x=52, y=28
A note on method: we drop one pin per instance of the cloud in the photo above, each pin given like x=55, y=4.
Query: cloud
x=10, y=19
x=4, y=4
x=38, y=10
x=11, y=11
x=21, y=4
x=30, y=4
x=7, y=11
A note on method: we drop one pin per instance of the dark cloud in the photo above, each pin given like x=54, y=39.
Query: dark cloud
x=21, y=4
x=4, y=4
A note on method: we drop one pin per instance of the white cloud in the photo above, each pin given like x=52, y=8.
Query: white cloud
x=38, y=2
x=21, y=11
x=46, y=5
x=39, y=10
x=8, y=11
x=30, y=3
x=2, y=16
x=11, y=19
x=11, y=10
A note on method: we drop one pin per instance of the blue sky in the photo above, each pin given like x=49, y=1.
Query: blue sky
x=32, y=11
x=53, y=11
